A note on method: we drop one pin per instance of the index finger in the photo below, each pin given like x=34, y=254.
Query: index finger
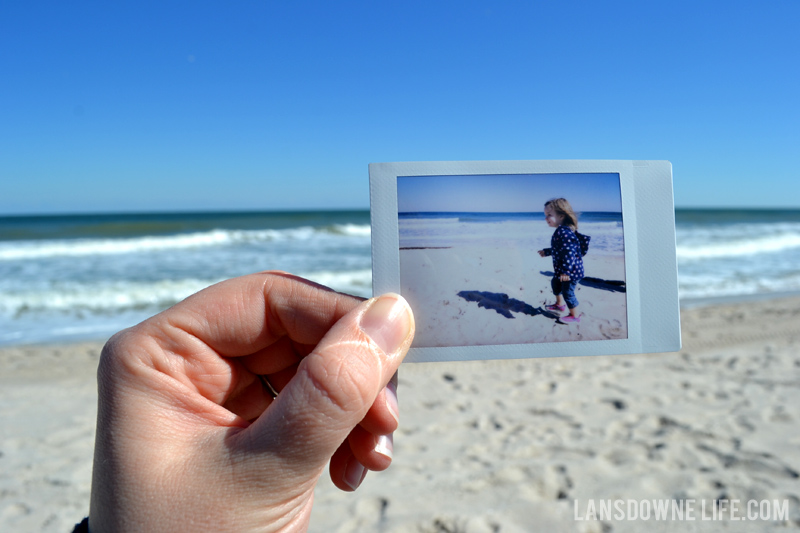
x=244, y=315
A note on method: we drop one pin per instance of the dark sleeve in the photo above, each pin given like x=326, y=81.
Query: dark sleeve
x=548, y=252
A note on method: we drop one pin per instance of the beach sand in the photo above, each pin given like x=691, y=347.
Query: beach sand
x=492, y=446
x=480, y=296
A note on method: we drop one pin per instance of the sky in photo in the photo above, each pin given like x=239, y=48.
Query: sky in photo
x=175, y=106
x=507, y=193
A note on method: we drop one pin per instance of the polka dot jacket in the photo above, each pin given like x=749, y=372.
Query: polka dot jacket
x=566, y=251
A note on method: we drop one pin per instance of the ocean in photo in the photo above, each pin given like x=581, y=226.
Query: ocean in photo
x=516, y=230
x=86, y=276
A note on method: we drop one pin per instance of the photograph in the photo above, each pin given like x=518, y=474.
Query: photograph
x=513, y=258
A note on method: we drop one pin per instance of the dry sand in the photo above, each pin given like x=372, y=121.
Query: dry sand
x=480, y=296
x=493, y=446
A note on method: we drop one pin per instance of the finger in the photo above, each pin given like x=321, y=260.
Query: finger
x=346, y=472
x=337, y=384
x=277, y=356
x=250, y=399
x=243, y=315
x=373, y=451
x=240, y=317
x=279, y=380
x=383, y=417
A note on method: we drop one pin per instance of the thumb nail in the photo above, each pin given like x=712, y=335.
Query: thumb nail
x=388, y=322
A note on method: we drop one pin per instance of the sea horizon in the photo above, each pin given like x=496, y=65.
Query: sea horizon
x=719, y=210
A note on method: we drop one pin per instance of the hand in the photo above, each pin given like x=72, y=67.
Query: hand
x=564, y=277
x=541, y=253
x=188, y=438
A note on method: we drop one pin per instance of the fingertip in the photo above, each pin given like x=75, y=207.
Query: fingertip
x=389, y=322
x=383, y=416
x=347, y=472
x=374, y=452
x=391, y=400
x=354, y=474
x=385, y=446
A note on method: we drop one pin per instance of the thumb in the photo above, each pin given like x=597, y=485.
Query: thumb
x=337, y=383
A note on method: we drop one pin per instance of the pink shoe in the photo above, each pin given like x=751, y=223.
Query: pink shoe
x=559, y=308
x=569, y=319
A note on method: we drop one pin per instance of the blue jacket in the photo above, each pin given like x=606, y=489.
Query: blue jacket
x=566, y=251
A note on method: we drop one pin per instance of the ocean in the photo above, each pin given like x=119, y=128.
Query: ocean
x=78, y=277
x=86, y=277
x=527, y=230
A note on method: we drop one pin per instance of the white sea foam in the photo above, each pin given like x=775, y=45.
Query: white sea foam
x=74, y=310
x=353, y=230
x=607, y=236
x=83, y=247
x=24, y=250
x=741, y=247
x=734, y=259
x=104, y=297
x=114, y=297
x=357, y=282
x=707, y=285
x=429, y=221
x=590, y=228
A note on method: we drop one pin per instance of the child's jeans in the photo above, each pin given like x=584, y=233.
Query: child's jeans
x=566, y=289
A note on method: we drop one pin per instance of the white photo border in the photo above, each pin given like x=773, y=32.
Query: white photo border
x=651, y=272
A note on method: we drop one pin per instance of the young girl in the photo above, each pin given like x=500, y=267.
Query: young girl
x=566, y=251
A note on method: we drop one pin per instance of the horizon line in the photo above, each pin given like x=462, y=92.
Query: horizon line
x=246, y=211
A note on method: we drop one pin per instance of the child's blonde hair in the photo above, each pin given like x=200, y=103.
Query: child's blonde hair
x=561, y=206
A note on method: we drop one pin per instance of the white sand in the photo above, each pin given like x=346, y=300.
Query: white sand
x=493, y=446
x=48, y=405
x=431, y=280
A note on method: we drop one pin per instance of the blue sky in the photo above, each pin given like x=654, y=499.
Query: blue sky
x=153, y=106
x=507, y=193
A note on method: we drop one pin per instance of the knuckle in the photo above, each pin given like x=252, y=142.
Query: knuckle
x=341, y=383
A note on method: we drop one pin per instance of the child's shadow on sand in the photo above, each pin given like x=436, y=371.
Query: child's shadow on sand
x=503, y=304
x=609, y=285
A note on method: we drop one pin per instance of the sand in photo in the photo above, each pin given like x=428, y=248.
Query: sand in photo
x=470, y=267
x=435, y=282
